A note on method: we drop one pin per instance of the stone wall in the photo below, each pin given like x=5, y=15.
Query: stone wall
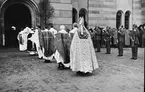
x=137, y=12
x=143, y=10
x=63, y=13
x=102, y=12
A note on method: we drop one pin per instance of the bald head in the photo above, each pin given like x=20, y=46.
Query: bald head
x=75, y=25
x=62, y=27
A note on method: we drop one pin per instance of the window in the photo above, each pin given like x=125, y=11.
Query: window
x=74, y=15
x=127, y=19
x=118, y=19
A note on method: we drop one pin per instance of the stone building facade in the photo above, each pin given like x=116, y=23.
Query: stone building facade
x=95, y=12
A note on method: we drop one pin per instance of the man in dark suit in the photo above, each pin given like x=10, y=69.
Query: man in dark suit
x=121, y=33
x=135, y=41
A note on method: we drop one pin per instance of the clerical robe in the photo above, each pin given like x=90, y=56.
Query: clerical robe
x=37, y=39
x=22, y=38
x=82, y=53
x=62, y=44
x=48, y=43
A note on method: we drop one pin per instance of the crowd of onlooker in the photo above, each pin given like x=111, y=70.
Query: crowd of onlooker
x=114, y=35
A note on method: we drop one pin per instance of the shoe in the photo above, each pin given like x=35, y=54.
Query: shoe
x=47, y=61
x=120, y=55
x=60, y=66
x=40, y=58
x=134, y=58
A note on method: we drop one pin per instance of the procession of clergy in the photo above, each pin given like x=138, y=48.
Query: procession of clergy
x=73, y=50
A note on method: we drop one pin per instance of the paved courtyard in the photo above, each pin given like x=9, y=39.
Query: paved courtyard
x=20, y=72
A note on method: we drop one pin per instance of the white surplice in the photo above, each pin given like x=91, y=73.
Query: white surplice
x=24, y=33
x=35, y=39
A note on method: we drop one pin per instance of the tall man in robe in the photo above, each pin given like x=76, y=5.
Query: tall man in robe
x=48, y=45
x=62, y=44
x=82, y=54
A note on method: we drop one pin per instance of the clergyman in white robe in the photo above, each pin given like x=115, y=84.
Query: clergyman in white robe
x=82, y=54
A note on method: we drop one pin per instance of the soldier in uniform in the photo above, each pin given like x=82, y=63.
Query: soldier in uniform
x=121, y=33
x=103, y=37
x=107, y=40
x=143, y=36
x=98, y=38
x=135, y=41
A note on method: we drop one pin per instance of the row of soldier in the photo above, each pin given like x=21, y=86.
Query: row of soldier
x=120, y=36
x=73, y=49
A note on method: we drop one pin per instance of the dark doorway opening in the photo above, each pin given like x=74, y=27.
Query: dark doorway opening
x=83, y=13
x=74, y=15
x=17, y=15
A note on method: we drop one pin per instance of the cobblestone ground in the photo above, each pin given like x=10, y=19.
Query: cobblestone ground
x=20, y=72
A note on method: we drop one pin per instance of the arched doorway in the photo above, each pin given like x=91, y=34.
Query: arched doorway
x=127, y=19
x=119, y=19
x=74, y=15
x=83, y=13
x=17, y=15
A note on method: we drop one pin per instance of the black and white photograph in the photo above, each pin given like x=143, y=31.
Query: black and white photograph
x=72, y=45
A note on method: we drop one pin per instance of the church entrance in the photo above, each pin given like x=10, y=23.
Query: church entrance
x=16, y=15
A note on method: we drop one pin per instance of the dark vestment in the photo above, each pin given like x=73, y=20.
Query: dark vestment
x=62, y=44
x=48, y=43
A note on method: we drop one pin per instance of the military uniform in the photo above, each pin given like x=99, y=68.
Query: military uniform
x=135, y=43
x=103, y=38
x=98, y=38
x=121, y=34
x=107, y=40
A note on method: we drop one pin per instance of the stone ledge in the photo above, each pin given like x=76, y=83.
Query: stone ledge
x=60, y=6
x=62, y=20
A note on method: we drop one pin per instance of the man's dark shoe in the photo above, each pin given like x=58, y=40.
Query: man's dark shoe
x=47, y=61
x=134, y=58
x=107, y=53
x=120, y=55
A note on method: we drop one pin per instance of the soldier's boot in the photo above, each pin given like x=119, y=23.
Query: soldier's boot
x=98, y=48
x=133, y=53
x=136, y=50
x=108, y=49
